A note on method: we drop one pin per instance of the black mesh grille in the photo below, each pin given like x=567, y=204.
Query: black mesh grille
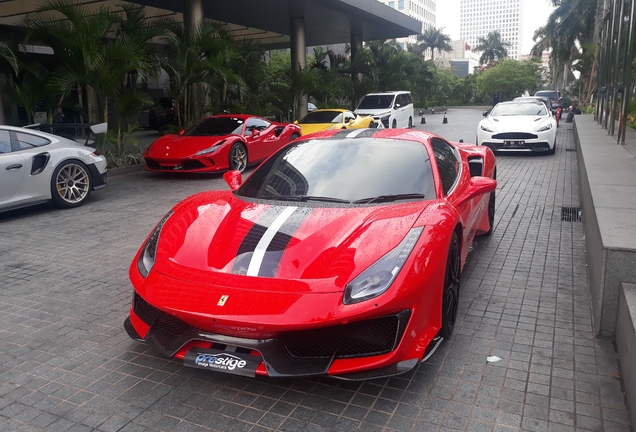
x=164, y=322
x=360, y=339
x=514, y=136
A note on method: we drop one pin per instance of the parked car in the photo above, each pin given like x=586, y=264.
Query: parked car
x=554, y=95
x=335, y=118
x=389, y=109
x=37, y=167
x=219, y=143
x=340, y=255
x=518, y=126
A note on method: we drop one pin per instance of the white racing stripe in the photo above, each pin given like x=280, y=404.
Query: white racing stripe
x=355, y=133
x=261, y=247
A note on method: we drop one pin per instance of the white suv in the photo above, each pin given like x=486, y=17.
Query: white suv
x=389, y=109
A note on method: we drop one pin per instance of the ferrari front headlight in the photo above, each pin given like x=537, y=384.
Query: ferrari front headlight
x=210, y=149
x=376, y=279
x=149, y=250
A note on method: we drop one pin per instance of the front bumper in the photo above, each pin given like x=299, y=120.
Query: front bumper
x=298, y=353
x=186, y=165
x=538, y=142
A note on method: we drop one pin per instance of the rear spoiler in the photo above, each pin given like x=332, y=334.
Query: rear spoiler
x=100, y=128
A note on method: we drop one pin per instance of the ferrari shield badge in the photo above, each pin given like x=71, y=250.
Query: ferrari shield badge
x=222, y=300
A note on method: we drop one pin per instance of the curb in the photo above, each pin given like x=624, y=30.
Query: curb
x=126, y=170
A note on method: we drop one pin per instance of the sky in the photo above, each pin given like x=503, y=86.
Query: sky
x=536, y=13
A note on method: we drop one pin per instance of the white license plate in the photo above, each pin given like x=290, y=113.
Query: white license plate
x=514, y=143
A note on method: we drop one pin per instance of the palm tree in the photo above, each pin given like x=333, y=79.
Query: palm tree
x=432, y=39
x=7, y=54
x=492, y=47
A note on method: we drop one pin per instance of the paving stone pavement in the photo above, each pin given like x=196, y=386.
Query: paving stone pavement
x=67, y=364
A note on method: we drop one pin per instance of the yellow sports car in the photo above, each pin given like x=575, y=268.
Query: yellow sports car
x=335, y=118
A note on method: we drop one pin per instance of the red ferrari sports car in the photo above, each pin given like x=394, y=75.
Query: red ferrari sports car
x=219, y=143
x=339, y=256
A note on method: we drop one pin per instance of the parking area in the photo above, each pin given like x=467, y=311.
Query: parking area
x=67, y=364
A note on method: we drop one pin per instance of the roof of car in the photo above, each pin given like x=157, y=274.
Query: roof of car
x=388, y=92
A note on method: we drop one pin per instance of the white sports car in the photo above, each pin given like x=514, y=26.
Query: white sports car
x=37, y=167
x=518, y=126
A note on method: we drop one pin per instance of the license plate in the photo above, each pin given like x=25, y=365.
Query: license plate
x=514, y=143
x=222, y=361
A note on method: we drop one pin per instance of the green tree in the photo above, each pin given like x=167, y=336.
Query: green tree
x=492, y=47
x=432, y=39
x=511, y=78
x=7, y=54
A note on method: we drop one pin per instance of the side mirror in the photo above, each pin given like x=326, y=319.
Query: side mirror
x=476, y=187
x=295, y=121
x=255, y=132
x=182, y=131
x=396, y=106
x=233, y=179
x=351, y=121
x=485, y=113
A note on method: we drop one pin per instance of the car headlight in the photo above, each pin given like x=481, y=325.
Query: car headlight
x=486, y=128
x=385, y=116
x=380, y=275
x=544, y=128
x=149, y=251
x=210, y=149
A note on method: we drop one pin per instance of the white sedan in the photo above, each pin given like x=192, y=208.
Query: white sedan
x=37, y=167
x=518, y=126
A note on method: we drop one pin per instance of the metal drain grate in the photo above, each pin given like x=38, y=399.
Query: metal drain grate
x=571, y=214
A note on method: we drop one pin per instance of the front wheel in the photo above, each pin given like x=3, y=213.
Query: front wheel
x=394, y=126
x=294, y=136
x=450, y=294
x=71, y=184
x=491, y=214
x=238, y=157
x=410, y=122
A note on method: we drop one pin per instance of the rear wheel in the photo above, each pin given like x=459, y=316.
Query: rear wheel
x=238, y=157
x=71, y=184
x=394, y=125
x=450, y=295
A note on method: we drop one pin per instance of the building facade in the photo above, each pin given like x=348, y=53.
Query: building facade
x=421, y=10
x=480, y=17
x=461, y=60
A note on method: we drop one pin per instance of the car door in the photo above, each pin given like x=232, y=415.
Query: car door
x=36, y=182
x=260, y=138
x=12, y=169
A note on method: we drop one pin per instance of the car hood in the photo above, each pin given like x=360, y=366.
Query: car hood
x=216, y=236
x=517, y=123
x=178, y=146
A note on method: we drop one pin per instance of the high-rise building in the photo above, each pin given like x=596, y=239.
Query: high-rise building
x=480, y=17
x=421, y=10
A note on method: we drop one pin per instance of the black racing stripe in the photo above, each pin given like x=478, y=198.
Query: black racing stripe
x=253, y=236
x=276, y=248
x=367, y=133
x=340, y=134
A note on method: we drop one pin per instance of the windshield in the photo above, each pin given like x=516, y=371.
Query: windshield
x=216, y=126
x=322, y=117
x=349, y=170
x=514, y=109
x=376, y=102
x=547, y=93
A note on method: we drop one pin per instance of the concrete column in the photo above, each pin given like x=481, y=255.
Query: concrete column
x=192, y=18
x=298, y=54
x=356, y=47
x=192, y=14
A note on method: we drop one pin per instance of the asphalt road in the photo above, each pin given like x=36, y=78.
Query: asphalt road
x=67, y=364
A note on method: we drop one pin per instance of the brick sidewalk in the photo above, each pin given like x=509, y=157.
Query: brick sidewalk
x=67, y=364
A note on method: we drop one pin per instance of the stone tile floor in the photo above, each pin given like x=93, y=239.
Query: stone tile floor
x=67, y=364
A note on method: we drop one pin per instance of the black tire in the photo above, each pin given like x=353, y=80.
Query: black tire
x=491, y=214
x=450, y=293
x=238, y=157
x=553, y=150
x=294, y=136
x=410, y=122
x=372, y=125
x=71, y=184
x=394, y=125
x=476, y=140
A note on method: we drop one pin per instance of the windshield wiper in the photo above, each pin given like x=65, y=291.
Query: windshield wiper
x=389, y=198
x=304, y=198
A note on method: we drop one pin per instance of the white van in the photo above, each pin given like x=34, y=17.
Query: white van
x=389, y=109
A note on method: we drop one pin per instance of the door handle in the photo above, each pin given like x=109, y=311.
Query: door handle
x=14, y=167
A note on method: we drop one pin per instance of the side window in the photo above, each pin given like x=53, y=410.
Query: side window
x=28, y=141
x=447, y=163
x=409, y=100
x=255, y=123
x=5, y=142
x=400, y=100
x=348, y=116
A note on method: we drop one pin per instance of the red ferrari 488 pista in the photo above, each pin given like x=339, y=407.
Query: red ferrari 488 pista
x=340, y=255
x=219, y=143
